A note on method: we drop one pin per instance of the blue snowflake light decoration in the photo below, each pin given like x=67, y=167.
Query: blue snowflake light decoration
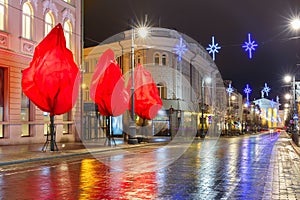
x=247, y=91
x=213, y=48
x=180, y=49
x=250, y=45
x=266, y=89
x=229, y=89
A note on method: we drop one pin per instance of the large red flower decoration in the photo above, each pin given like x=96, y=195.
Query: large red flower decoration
x=108, y=86
x=52, y=80
x=147, y=102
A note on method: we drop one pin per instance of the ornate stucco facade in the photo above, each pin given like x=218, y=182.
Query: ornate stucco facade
x=21, y=122
x=181, y=82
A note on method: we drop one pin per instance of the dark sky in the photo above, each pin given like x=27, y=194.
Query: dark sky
x=228, y=20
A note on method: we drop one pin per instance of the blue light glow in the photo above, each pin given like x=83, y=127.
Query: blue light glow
x=272, y=103
x=229, y=89
x=213, y=48
x=250, y=45
x=247, y=91
x=180, y=49
x=266, y=89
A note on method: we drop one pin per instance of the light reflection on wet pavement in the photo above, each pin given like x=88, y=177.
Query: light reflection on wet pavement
x=245, y=167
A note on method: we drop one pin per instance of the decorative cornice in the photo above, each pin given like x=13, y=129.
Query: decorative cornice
x=49, y=5
x=66, y=13
x=31, y=1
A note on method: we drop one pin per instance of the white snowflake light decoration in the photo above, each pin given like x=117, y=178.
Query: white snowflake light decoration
x=250, y=45
x=213, y=48
x=229, y=89
x=266, y=89
x=180, y=49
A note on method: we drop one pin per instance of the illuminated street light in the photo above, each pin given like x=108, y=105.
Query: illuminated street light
x=287, y=96
x=287, y=79
x=295, y=24
x=286, y=105
x=291, y=79
x=142, y=32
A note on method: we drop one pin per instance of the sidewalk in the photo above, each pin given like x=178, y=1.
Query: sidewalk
x=14, y=154
x=295, y=147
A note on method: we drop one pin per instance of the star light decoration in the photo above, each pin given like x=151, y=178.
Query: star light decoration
x=180, y=49
x=250, y=45
x=230, y=89
x=266, y=89
x=213, y=48
x=247, y=91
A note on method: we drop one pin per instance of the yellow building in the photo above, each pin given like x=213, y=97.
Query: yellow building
x=270, y=117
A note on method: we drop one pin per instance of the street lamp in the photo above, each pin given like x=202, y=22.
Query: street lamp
x=291, y=79
x=142, y=32
x=295, y=23
x=204, y=80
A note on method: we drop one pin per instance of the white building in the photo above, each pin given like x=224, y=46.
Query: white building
x=23, y=24
x=270, y=117
x=180, y=76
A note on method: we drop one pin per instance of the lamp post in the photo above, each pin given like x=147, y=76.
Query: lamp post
x=229, y=90
x=207, y=80
x=291, y=79
x=142, y=32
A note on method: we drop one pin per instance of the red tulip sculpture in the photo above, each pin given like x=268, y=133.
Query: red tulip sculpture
x=107, y=88
x=52, y=77
x=147, y=101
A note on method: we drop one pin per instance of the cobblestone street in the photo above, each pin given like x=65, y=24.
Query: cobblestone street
x=245, y=167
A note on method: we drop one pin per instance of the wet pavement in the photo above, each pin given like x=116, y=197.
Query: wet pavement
x=263, y=166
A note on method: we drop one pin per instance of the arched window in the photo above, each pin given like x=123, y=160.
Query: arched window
x=164, y=59
x=68, y=33
x=162, y=90
x=156, y=59
x=27, y=21
x=2, y=14
x=139, y=59
x=49, y=22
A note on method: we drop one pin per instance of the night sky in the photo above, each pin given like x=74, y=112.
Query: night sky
x=229, y=21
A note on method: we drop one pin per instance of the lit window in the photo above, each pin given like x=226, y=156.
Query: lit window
x=49, y=22
x=86, y=95
x=87, y=67
x=2, y=14
x=68, y=1
x=25, y=113
x=68, y=32
x=156, y=59
x=139, y=59
x=162, y=90
x=26, y=21
x=1, y=101
x=66, y=125
x=95, y=62
x=164, y=59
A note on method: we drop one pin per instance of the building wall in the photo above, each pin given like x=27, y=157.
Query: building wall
x=16, y=54
x=182, y=79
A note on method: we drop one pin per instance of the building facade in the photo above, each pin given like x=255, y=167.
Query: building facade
x=180, y=67
x=269, y=113
x=23, y=24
